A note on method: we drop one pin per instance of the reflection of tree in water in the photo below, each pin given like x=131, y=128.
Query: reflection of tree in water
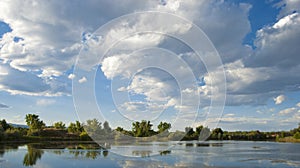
x=90, y=150
x=142, y=153
x=2, y=150
x=166, y=152
x=90, y=154
x=58, y=152
x=105, y=153
x=77, y=153
x=32, y=156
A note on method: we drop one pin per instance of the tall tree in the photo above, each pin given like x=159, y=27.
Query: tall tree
x=189, y=131
x=34, y=123
x=217, y=133
x=75, y=128
x=198, y=130
x=94, y=128
x=4, y=125
x=163, y=126
x=142, y=129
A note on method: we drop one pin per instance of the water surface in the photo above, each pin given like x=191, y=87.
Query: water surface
x=185, y=154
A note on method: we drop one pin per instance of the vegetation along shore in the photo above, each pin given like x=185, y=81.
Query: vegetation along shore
x=37, y=131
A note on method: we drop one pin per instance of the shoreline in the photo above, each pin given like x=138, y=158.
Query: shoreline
x=64, y=141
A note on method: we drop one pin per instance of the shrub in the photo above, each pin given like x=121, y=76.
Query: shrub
x=84, y=136
x=13, y=133
x=297, y=135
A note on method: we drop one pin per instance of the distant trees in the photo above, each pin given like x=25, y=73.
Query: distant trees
x=142, y=129
x=296, y=132
x=95, y=130
x=4, y=125
x=189, y=131
x=93, y=127
x=102, y=131
x=199, y=129
x=8, y=132
x=123, y=131
x=217, y=133
x=75, y=128
x=59, y=125
x=163, y=126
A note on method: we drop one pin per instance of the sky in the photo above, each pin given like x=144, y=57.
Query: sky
x=50, y=63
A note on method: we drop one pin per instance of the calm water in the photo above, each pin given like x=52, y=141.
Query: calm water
x=187, y=154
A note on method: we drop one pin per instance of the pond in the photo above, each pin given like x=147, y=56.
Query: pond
x=185, y=154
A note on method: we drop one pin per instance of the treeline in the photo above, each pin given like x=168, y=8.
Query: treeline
x=37, y=130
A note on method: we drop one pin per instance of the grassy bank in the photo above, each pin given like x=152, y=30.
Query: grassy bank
x=288, y=139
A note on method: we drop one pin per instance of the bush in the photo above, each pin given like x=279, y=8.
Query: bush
x=84, y=136
x=297, y=135
x=13, y=134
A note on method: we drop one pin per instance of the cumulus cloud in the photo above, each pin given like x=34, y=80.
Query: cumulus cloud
x=279, y=99
x=288, y=7
x=270, y=41
x=28, y=83
x=52, y=33
x=270, y=69
x=253, y=75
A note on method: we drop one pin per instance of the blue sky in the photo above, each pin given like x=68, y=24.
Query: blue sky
x=257, y=42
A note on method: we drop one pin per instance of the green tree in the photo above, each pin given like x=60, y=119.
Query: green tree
x=4, y=125
x=120, y=129
x=142, y=129
x=199, y=129
x=189, y=131
x=97, y=132
x=93, y=126
x=163, y=126
x=34, y=123
x=75, y=128
x=297, y=135
x=59, y=125
x=217, y=133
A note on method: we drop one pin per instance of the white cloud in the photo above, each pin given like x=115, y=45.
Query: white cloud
x=288, y=7
x=298, y=104
x=45, y=102
x=229, y=115
x=279, y=99
x=277, y=44
x=53, y=33
x=71, y=76
x=139, y=110
x=288, y=111
x=27, y=83
x=82, y=80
